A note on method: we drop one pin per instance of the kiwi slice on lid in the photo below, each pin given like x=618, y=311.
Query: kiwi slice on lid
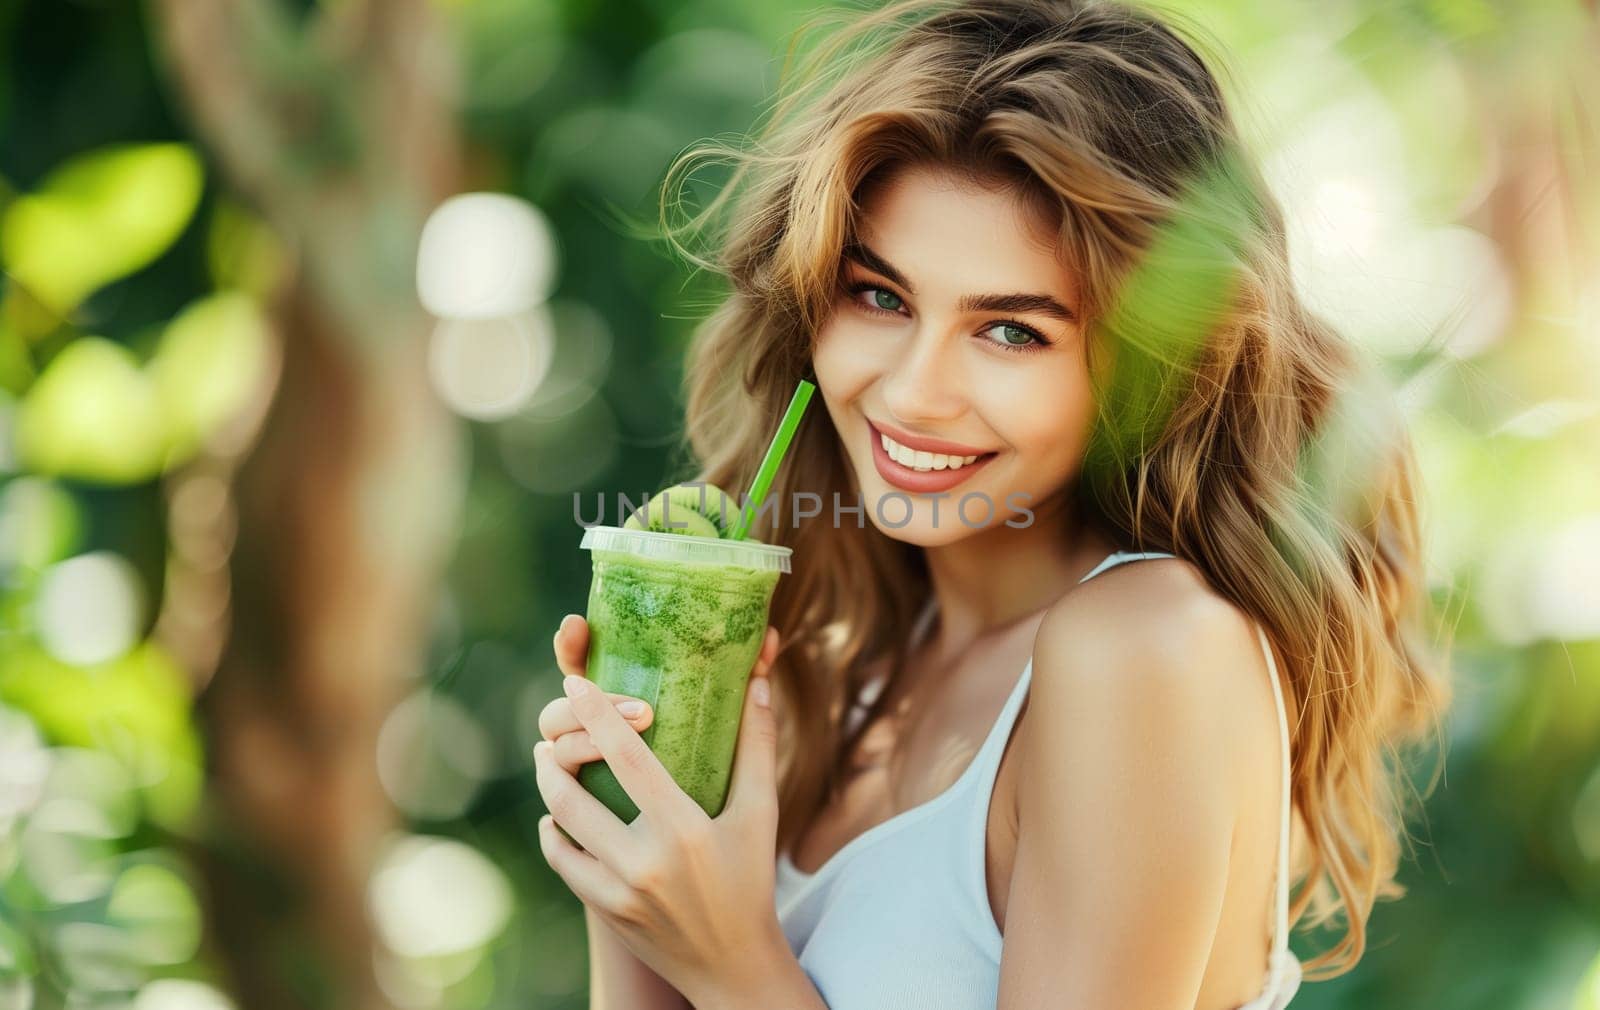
x=691, y=509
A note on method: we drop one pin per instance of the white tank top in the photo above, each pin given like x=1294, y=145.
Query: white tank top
x=899, y=918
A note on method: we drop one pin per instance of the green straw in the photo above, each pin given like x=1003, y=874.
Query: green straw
x=774, y=457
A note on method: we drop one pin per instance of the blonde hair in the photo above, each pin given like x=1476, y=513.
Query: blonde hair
x=1233, y=428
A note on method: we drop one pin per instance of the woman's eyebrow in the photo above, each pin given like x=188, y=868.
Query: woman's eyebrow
x=859, y=253
x=1042, y=304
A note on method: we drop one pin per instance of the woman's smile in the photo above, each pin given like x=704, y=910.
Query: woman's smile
x=911, y=467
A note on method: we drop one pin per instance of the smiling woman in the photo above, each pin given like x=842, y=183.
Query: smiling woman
x=965, y=347
x=1018, y=247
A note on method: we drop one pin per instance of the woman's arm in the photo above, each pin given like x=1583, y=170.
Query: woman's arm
x=1126, y=799
x=620, y=981
x=695, y=906
x=617, y=979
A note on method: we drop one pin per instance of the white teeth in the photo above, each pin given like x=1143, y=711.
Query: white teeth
x=923, y=461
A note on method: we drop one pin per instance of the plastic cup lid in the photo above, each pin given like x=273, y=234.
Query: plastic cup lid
x=679, y=547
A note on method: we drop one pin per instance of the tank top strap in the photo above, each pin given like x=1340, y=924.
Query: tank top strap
x=986, y=762
x=993, y=746
x=869, y=691
x=1116, y=558
x=1280, y=930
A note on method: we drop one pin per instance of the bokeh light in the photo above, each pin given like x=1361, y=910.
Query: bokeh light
x=93, y=414
x=1363, y=257
x=1564, y=589
x=581, y=361
x=91, y=608
x=432, y=756
x=68, y=842
x=39, y=523
x=159, y=909
x=208, y=366
x=554, y=457
x=488, y=369
x=98, y=217
x=485, y=256
x=180, y=994
x=24, y=765
x=435, y=897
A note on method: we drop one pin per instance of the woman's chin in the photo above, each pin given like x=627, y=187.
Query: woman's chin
x=926, y=534
x=927, y=520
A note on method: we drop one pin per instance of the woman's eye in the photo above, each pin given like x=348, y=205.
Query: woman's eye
x=1010, y=335
x=888, y=301
x=878, y=299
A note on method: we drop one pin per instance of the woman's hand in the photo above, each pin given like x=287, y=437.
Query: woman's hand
x=557, y=723
x=690, y=895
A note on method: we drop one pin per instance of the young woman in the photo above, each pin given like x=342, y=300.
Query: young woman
x=1031, y=758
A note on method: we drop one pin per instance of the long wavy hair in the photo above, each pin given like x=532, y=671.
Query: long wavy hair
x=1233, y=428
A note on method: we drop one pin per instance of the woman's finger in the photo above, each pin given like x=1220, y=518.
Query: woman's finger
x=582, y=816
x=572, y=645
x=573, y=750
x=752, y=787
x=638, y=770
x=769, y=649
x=593, y=883
x=557, y=717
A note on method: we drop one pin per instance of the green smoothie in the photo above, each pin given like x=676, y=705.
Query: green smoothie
x=678, y=621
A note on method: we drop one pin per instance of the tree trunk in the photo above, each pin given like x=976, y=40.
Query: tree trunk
x=340, y=133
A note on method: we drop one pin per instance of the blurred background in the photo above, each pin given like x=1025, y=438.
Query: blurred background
x=289, y=438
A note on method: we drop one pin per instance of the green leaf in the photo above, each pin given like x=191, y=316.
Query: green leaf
x=17, y=960
x=44, y=520
x=97, y=218
x=135, y=708
x=158, y=908
x=206, y=367
x=242, y=252
x=93, y=414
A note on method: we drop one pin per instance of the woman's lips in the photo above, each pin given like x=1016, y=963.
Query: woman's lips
x=919, y=481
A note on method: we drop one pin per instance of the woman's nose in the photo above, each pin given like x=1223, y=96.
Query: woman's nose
x=928, y=383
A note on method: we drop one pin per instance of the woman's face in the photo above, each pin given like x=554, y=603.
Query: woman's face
x=955, y=327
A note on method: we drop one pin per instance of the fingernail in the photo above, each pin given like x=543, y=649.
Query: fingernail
x=631, y=709
x=762, y=691
x=576, y=687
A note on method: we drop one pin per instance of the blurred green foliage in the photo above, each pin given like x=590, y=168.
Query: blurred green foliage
x=131, y=332
x=98, y=218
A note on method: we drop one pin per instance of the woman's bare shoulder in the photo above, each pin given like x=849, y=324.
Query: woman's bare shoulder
x=1158, y=632
x=1149, y=608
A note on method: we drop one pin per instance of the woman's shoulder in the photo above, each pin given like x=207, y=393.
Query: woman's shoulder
x=1151, y=685
x=1154, y=628
x=1128, y=783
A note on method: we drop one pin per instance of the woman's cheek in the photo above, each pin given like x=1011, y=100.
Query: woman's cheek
x=844, y=359
x=1048, y=417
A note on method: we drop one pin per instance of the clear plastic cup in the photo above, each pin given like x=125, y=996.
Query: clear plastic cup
x=678, y=621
